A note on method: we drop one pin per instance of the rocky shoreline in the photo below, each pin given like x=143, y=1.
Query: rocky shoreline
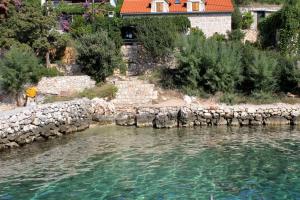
x=26, y=125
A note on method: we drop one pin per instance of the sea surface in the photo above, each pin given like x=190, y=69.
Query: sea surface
x=117, y=163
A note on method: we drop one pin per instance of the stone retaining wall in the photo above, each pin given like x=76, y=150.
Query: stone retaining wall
x=248, y=115
x=29, y=124
x=64, y=85
x=26, y=125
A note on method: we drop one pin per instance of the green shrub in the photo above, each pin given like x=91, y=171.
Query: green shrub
x=236, y=22
x=287, y=74
x=49, y=72
x=208, y=64
x=69, y=8
x=281, y=30
x=198, y=32
x=158, y=34
x=80, y=27
x=98, y=55
x=218, y=37
x=18, y=67
x=103, y=91
x=247, y=20
x=258, y=71
x=112, y=26
x=236, y=35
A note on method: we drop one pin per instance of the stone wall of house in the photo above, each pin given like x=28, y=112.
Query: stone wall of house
x=211, y=23
x=29, y=124
x=64, y=85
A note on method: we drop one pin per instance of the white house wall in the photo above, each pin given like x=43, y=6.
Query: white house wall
x=211, y=23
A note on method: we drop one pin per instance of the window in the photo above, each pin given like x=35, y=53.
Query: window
x=195, y=6
x=159, y=7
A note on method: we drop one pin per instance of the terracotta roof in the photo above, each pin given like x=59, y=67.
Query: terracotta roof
x=144, y=6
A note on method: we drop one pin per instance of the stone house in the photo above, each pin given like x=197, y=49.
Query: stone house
x=258, y=12
x=211, y=16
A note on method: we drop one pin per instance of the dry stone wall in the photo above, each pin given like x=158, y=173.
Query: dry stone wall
x=29, y=124
x=26, y=125
x=247, y=115
x=62, y=85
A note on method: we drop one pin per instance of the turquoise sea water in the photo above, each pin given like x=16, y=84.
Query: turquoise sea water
x=128, y=163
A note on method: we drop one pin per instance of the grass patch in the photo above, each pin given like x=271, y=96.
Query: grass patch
x=101, y=91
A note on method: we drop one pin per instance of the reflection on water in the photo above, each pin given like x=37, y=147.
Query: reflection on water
x=129, y=163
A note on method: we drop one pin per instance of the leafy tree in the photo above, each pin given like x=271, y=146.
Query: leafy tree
x=18, y=67
x=98, y=55
x=30, y=25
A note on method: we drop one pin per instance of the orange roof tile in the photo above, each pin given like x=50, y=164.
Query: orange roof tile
x=144, y=6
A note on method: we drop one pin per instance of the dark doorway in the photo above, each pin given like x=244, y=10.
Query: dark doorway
x=128, y=34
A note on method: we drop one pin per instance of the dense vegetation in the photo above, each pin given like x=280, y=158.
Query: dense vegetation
x=158, y=35
x=205, y=65
x=19, y=67
x=281, y=30
x=98, y=55
x=27, y=24
x=210, y=66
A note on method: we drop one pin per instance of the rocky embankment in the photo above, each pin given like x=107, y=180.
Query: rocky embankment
x=42, y=122
x=26, y=125
x=195, y=115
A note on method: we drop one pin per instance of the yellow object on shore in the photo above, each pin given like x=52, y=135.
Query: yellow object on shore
x=31, y=92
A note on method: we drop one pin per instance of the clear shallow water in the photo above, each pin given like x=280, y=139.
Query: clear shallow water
x=128, y=163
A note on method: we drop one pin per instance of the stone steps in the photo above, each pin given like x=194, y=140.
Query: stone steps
x=134, y=92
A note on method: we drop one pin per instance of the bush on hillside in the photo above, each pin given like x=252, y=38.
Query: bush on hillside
x=18, y=67
x=158, y=34
x=230, y=67
x=236, y=35
x=281, y=30
x=208, y=64
x=98, y=55
x=247, y=20
x=236, y=22
x=258, y=71
x=287, y=74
